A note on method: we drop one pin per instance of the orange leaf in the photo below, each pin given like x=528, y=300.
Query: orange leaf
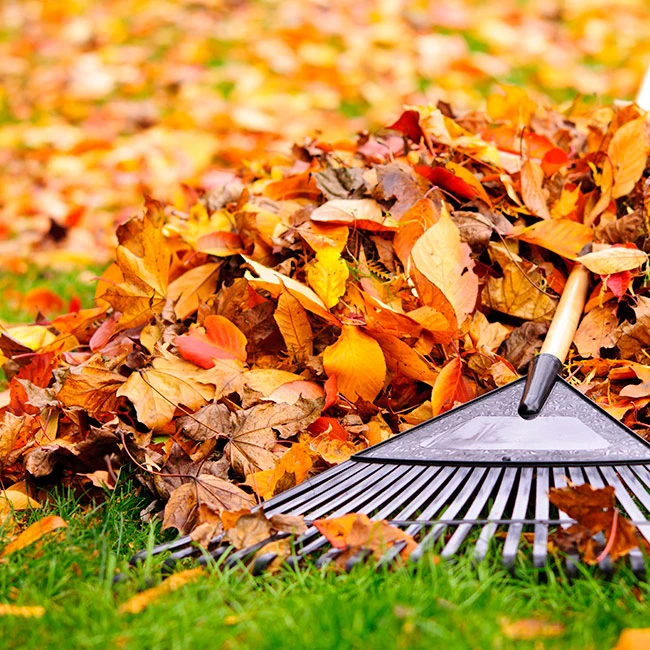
x=361, y=213
x=34, y=533
x=532, y=177
x=445, y=387
x=628, y=152
x=633, y=639
x=358, y=363
x=43, y=300
x=562, y=236
x=222, y=340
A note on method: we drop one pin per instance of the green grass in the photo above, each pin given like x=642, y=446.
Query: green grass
x=65, y=284
x=434, y=605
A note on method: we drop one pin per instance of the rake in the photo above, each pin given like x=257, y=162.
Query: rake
x=486, y=466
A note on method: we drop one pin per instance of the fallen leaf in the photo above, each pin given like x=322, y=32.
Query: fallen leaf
x=294, y=325
x=141, y=601
x=598, y=329
x=532, y=179
x=613, y=260
x=445, y=387
x=562, y=236
x=628, y=152
x=33, y=533
x=530, y=629
x=361, y=213
x=633, y=639
x=328, y=275
x=444, y=260
x=357, y=362
x=23, y=611
x=222, y=339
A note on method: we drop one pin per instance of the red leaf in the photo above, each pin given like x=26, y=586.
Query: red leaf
x=409, y=125
x=331, y=392
x=222, y=340
x=328, y=425
x=444, y=179
x=618, y=283
x=553, y=160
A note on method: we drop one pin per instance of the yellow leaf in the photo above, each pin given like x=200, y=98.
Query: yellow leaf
x=513, y=106
x=327, y=276
x=358, y=363
x=274, y=282
x=192, y=288
x=21, y=610
x=530, y=629
x=634, y=639
x=532, y=178
x=470, y=179
x=18, y=500
x=141, y=601
x=518, y=292
x=157, y=392
x=34, y=533
x=562, y=236
x=613, y=260
x=294, y=326
x=628, y=151
x=444, y=260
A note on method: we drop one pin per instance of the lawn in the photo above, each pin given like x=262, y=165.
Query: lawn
x=431, y=605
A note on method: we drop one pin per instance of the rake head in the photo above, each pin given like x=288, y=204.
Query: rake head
x=460, y=473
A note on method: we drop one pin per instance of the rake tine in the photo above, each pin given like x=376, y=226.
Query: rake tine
x=605, y=565
x=571, y=560
x=216, y=554
x=328, y=558
x=623, y=496
x=640, y=491
x=457, y=504
x=357, y=558
x=542, y=508
x=499, y=505
x=452, y=546
x=243, y=554
x=262, y=563
x=313, y=487
x=519, y=512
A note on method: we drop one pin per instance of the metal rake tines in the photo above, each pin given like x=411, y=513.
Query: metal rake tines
x=448, y=509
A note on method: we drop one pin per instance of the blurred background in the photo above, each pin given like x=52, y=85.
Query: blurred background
x=102, y=100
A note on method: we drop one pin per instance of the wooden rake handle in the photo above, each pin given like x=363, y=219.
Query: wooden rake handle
x=545, y=367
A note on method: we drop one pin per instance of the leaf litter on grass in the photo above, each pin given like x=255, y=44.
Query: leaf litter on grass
x=283, y=367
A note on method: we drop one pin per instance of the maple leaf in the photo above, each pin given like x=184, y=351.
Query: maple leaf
x=91, y=387
x=253, y=432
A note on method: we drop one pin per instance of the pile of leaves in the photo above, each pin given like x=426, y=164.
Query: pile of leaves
x=102, y=98
x=268, y=328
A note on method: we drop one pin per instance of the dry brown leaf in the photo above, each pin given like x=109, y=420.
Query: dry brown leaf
x=34, y=533
x=357, y=362
x=141, y=601
x=192, y=288
x=598, y=329
x=92, y=387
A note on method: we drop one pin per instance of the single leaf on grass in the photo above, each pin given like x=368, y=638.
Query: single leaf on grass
x=141, y=601
x=157, y=391
x=614, y=260
x=530, y=629
x=633, y=639
x=532, y=180
x=222, y=339
x=358, y=363
x=192, y=288
x=23, y=611
x=34, y=533
x=598, y=329
x=328, y=276
x=628, y=152
x=446, y=386
x=18, y=500
x=444, y=260
x=365, y=214
x=562, y=236
x=294, y=326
